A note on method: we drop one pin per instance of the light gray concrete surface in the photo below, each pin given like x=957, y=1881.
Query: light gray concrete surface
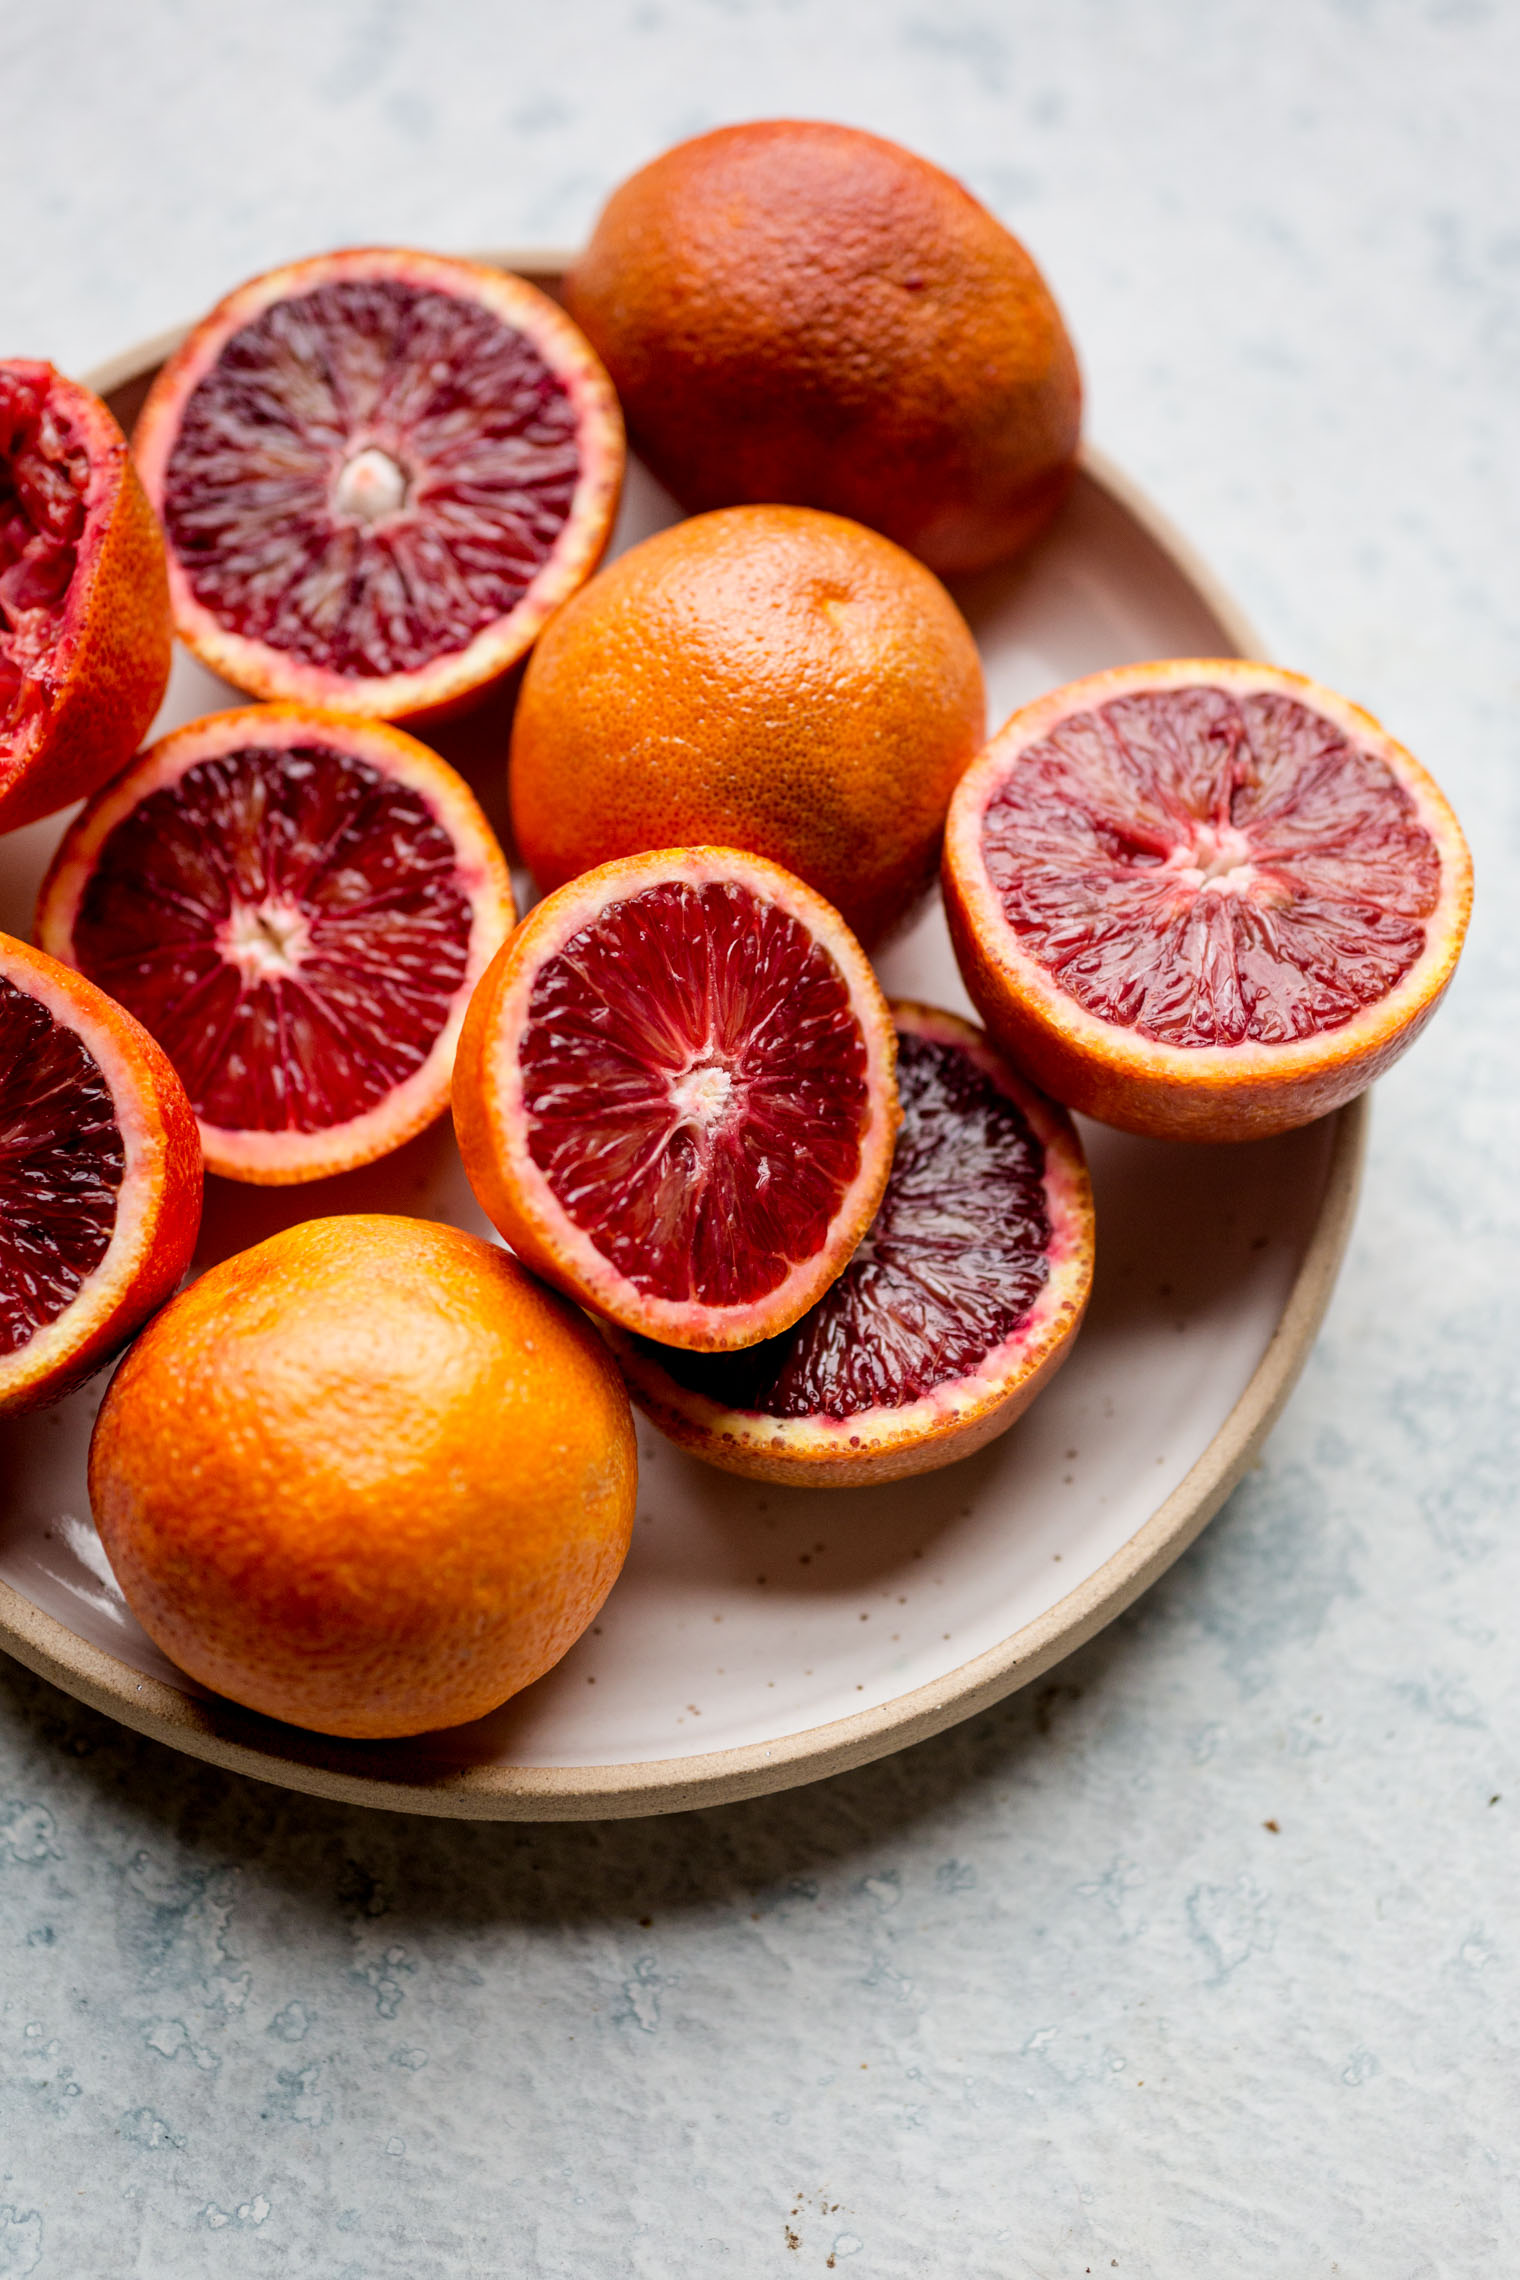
x=1204, y=1956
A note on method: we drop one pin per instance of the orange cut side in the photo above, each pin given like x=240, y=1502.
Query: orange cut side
x=100, y=1178
x=959, y=1304
x=1204, y=899
x=379, y=471
x=675, y=1095
x=85, y=635
x=297, y=906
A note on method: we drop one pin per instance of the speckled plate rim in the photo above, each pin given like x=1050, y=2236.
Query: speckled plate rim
x=398, y=1776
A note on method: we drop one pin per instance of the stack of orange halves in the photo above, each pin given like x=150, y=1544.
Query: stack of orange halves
x=374, y=1475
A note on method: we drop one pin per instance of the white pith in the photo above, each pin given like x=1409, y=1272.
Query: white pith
x=1123, y=1051
x=370, y=486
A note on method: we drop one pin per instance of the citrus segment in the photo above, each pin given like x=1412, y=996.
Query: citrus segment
x=368, y=1476
x=297, y=907
x=675, y=1094
x=960, y=1301
x=767, y=677
x=100, y=1177
x=800, y=311
x=379, y=471
x=84, y=603
x=1203, y=899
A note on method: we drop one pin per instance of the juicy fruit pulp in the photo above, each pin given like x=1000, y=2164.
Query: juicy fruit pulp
x=370, y=474
x=1208, y=869
x=289, y=925
x=951, y=1266
x=695, y=1086
x=62, y=1160
x=44, y=472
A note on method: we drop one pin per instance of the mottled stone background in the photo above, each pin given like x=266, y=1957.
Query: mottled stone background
x=1202, y=1957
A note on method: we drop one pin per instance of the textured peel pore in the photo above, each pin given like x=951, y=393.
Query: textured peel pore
x=1211, y=869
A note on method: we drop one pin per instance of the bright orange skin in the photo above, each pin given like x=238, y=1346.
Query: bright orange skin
x=369, y=1477
x=106, y=676
x=766, y=677
x=795, y=310
x=1219, y=1093
x=158, y=1211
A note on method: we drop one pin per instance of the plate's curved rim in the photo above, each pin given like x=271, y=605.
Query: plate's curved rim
x=356, y=1773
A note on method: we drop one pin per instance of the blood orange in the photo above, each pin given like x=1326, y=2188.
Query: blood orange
x=767, y=677
x=1206, y=899
x=675, y=1094
x=369, y=1476
x=961, y=1301
x=297, y=907
x=84, y=600
x=378, y=472
x=797, y=310
x=100, y=1177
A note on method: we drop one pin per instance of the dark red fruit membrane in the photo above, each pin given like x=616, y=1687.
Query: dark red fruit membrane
x=1208, y=870
x=289, y=925
x=369, y=475
x=951, y=1265
x=62, y=1159
x=695, y=1078
x=44, y=474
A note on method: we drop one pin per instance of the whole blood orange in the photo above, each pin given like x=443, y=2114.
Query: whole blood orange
x=100, y=1177
x=368, y=1476
x=675, y=1097
x=793, y=310
x=379, y=471
x=960, y=1302
x=85, y=635
x=1206, y=899
x=769, y=678
x=298, y=907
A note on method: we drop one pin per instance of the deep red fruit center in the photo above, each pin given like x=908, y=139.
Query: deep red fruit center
x=369, y=475
x=1211, y=870
x=61, y=1164
x=44, y=473
x=695, y=1078
x=289, y=924
x=951, y=1266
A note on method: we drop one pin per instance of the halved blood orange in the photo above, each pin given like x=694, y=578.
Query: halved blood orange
x=297, y=907
x=1204, y=899
x=675, y=1095
x=378, y=472
x=960, y=1302
x=85, y=635
x=100, y=1177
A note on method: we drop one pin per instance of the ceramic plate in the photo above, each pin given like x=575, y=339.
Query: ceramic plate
x=761, y=1636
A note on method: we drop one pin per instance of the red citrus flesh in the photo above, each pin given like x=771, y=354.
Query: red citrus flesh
x=100, y=1177
x=379, y=471
x=961, y=1300
x=297, y=907
x=84, y=602
x=1205, y=899
x=675, y=1094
